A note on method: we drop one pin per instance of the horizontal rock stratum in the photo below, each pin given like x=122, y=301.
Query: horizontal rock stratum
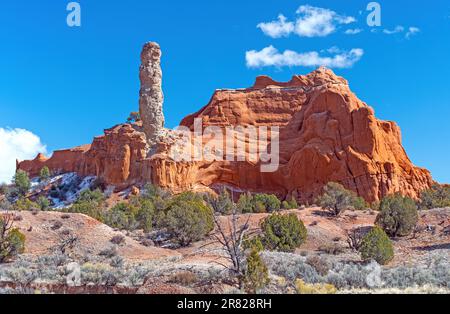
x=326, y=134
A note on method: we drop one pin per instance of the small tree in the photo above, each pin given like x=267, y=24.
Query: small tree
x=91, y=203
x=376, y=245
x=436, y=197
x=44, y=174
x=271, y=202
x=233, y=242
x=283, y=232
x=337, y=199
x=222, y=203
x=246, y=204
x=12, y=241
x=43, y=203
x=188, y=219
x=24, y=204
x=134, y=117
x=398, y=215
x=256, y=274
x=22, y=182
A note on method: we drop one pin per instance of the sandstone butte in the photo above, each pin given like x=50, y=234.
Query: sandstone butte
x=326, y=134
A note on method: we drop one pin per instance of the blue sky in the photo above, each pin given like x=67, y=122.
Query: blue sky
x=66, y=85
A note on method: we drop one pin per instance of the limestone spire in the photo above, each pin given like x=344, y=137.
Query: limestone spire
x=151, y=96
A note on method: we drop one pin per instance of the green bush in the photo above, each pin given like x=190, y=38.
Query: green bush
x=222, y=204
x=436, y=197
x=188, y=219
x=292, y=204
x=90, y=203
x=376, y=245
x=246, y=203
x=44, y=174
x=256, y=273
x=337, y=199
x=283, y=232
x=398, y=215
x=137, y=214
x=121, y=216
x=22, y=182
x=24, y=204
x=12, y=241
x=253, y=243
x=43, y=203
x=271, y=202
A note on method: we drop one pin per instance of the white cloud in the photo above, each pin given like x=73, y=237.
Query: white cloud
x=396, y=30
x=270, y=56
x=353, y=31
x=16, y=144
x=277, y=29
x=318, y=22
x=310, y=22
x=412, y=31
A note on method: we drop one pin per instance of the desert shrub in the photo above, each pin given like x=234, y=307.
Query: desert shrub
x=319, y=288
x=184, y=278
x=246, y=203
x=291, y=204
x=436, y=197
x=99, y=274
x=118, y=239
x=221, y=204
x=271, y=202
x=253, y=243
x=22, y=182
x=398, y=215
x=12, y=241
x=290, y=266
x=109, y=252
x=158, y=196
x=121, y=216
x=188, y=219
x=44, y=174
x=57, y=225
x=24, y=204
x=376, y=245
x=336, y=199
x=283, y=232
x=91, y=203
x=256, y=274
x=349, y=275
x=5, y=205
x=116, y=262
x=43, y=203
x=331, y=248
x=321, y=265
x=360, y=203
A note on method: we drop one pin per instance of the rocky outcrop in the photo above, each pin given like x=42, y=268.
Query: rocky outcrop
x=326, y=134
x=151, y=96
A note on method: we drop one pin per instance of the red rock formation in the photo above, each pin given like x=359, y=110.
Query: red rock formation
x=326, y=134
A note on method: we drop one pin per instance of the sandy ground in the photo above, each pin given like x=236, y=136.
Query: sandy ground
x=41, y=236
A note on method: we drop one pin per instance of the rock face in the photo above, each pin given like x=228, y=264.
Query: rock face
x=151, y=96
x=326, y=134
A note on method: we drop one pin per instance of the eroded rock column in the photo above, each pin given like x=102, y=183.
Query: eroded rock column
x=151, y=96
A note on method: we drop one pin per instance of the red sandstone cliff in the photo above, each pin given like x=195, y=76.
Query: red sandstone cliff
x=327, y=134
